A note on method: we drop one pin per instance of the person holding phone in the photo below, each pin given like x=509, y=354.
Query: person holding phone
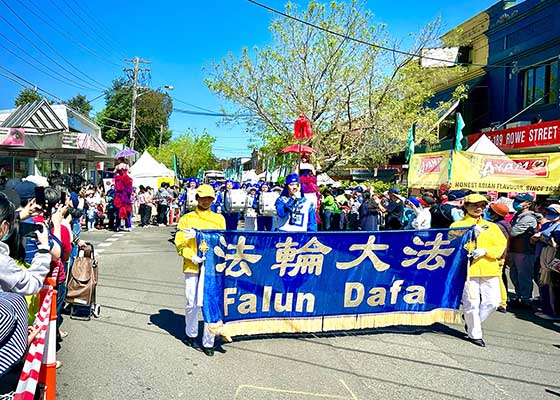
x=13, y=278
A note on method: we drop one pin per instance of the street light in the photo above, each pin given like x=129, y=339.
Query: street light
x=135, y=96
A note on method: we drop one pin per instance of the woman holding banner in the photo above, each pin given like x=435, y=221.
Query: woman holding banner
x=481, y=294
x=296, y=213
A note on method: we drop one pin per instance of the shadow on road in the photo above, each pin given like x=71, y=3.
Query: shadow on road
x=169, y=321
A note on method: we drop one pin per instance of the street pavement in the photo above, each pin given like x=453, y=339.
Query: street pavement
x=134, y=349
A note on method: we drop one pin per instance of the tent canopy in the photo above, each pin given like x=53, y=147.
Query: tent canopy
x=485, y=146
x=148, y=167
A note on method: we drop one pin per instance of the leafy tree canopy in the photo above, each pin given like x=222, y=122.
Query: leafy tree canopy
x=80, y=103
x=27, y=95
x=153, y=109
x=360, y=100
x=193, y=151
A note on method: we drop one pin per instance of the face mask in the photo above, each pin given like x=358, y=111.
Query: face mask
x=7, y=235
x=517, y=206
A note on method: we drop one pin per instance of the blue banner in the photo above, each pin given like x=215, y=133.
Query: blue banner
x=274, y=282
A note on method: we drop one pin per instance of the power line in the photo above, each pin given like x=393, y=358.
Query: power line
x=377, y=46
x=84, y=23
x=64, y=80
x=36, y=87
x=99, y=25
x=193, y=105
x=211, y=114
x=49, y=22
x=48, y=45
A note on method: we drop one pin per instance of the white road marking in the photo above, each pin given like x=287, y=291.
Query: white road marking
x=105, y=244
x=111, y=239
x=100, y=251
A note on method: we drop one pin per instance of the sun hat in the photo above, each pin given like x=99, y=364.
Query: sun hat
x=475, y=198
x=205, y=191
x=500, y=208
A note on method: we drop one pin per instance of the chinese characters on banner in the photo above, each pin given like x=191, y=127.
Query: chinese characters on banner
x=270, y=282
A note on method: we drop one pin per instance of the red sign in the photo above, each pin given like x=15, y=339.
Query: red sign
x=536, y=135
x=430, y=165
x=537, y=166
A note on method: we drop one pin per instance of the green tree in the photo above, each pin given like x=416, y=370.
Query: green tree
x=80, y=103
x=193, y=151
x=27, y=95
x=153, y=109
x=359, y=99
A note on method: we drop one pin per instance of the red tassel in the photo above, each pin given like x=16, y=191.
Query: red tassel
x=302, y=128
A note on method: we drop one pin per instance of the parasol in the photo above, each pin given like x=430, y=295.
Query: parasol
x=126, y=153
x=296, y=148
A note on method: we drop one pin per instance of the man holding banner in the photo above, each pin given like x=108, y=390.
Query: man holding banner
x=481, y=295
x=193, y=260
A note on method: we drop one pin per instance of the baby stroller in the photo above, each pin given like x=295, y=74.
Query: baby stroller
x=82, y=284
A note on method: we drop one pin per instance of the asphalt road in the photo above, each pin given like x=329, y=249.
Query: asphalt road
x=134, y=350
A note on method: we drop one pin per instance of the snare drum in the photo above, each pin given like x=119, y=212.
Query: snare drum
x=238, y=200
x=267, y=203
x=190, y=202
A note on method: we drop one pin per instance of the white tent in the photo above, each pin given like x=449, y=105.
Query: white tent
x=324, y=179
x=146, y=171
x=250, y=176
x=485, y=146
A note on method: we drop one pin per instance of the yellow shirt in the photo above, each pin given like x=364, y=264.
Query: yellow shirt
x=493, y=240
x=197, y=219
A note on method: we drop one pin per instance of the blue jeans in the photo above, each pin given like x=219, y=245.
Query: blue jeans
x=521, y=274
x=327, y=219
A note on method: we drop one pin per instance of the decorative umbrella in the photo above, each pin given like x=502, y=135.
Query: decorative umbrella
x=126, y=153
x=298, y=148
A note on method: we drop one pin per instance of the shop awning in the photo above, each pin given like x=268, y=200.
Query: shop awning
x=35, y=117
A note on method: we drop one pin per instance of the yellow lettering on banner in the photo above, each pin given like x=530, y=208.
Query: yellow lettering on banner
x=248, y=304
x=395, y=289
x=287, y=306
x=309, y=299
x=352, y=289
x=227, y=299
x=377, y=297
x=415, y=295
x=267, y=295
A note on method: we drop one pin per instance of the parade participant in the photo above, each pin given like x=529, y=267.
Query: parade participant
x=496, y=212
x=185, y=241
x=295, y=212
x=329, y=208
x=424, y=218
x=224, y=205
x=264, y=222
x=481, y=294
x=251, y=210
x=521, y=251
x=123, y=198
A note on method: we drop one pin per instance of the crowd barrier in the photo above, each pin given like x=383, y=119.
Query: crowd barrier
x=39, y=369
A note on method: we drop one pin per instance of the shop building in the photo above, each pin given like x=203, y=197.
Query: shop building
x=37, y=138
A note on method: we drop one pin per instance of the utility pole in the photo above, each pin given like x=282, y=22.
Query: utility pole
x=134, y=71
x=160, y=135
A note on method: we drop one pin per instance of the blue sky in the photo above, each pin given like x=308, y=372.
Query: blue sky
x=179, y=37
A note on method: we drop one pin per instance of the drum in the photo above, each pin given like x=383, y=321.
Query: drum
x=190, y=201
x=238, y=200
x=267, y=203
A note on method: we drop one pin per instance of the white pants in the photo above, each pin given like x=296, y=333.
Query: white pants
x=481, y=296
x=191, y=312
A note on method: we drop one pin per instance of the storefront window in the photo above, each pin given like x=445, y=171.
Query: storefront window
x=6, y=168
x=21, y=167
x=541, y=82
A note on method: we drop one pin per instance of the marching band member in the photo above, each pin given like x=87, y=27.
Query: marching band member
x=185, y=241
x=224, y=206
x=264, y=222
x=251, y=210
x=295, y=212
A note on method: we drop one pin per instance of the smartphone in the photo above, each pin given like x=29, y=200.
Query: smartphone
x=63, y=198
x=28, y=229
x=40, y=195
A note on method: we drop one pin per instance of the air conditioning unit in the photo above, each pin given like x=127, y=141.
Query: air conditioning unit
x=517, y=124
